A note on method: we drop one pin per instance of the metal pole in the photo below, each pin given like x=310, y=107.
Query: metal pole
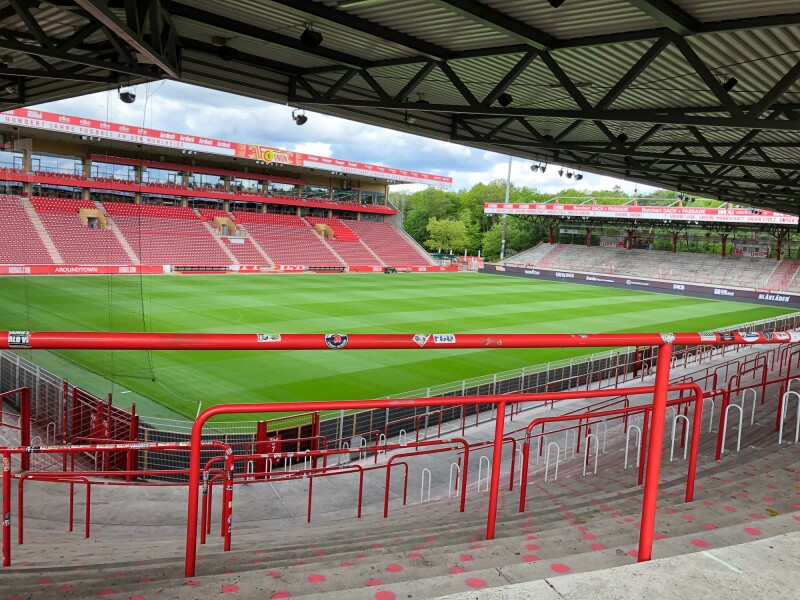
x=654, y=452
x=497, y=457
x=505, y=216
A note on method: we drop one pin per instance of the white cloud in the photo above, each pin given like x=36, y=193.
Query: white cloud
x=188, y=109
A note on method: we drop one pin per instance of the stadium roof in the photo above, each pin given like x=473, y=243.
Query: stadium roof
x=697, y=94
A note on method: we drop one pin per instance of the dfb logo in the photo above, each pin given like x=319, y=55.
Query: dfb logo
x=336, y=341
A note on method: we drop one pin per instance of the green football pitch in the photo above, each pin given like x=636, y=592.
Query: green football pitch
x=171, y=384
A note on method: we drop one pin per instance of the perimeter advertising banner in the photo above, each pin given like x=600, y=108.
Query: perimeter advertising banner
x=38, y=119
x=648, y=213
x=665, y=287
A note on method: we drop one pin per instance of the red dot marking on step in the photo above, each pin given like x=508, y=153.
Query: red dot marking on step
x=708, y=503
x=44, y=581
x=105, y=592
x=191, y=582
x=531, y=537
x=256, y=561
x=634, y=553
x=146, y=580
x=415, y=555
x=530, y=558
x=768, y=499
x=430, y=539
x=743, y=495
x=589, y=536
x=362, y=555
x=319, y=554
x=465, y=557
x=797, y=517
x=701, y=544
x=394, y=568
x=730, y=508
x=658, y=536
x=136, y=598
x=687, y=517
x=456, y=570
x=476, y=583
x=316, y=578
x=280, y=595
x=65, y=588
x=709, y=526
x=560, y=568
x=376, y=546
x=385, y=595
x=752, y=531
x=598, y=547
x=347, y=564
x=374, y=582
x=531, y=547
x=796, y=506
x=629, y=520
x=756, y=516
x=274, y=574
x=229, y=589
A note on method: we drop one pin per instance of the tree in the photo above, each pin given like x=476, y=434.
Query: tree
x=446, y=234
x=430, y=202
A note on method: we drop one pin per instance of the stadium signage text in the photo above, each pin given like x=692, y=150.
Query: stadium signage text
x=650, y=213
x=665, y=286
x=128, y=133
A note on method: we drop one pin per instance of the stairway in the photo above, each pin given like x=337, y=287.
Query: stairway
x=111, y=226
x=213, y=233
x=782, y=275
x=41, y=230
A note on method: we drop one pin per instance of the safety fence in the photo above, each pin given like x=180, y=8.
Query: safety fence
x=63, y=413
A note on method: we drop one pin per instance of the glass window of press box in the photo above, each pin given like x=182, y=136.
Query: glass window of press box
x=52, y=163
x=205, y=203
x=281, y=209
x=240, y=184
x=316, y=191
x=10, y=159
x=377, y=198
x=105, y=170
x=345, y=195
x=153, y=175
x=207, y=181
x=281, y=189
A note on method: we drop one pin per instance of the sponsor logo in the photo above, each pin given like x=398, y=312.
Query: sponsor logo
x=782, y=336
x=421, y=338
x=566, y=275
x=708, y=336
x=668, y=338
x=642, y=283
x=34, y=114
x=723, y=292
x=678, y=286
x=532, y=272
x=7, y=520
x=19, y=339
x=726, y=336
x=444, y=338
x=76, y=270
x=600, y=279
x=768, y=335
x=750, y=336
x=268, y=337
x=794, y=336
x=773, y=297
x=335, y=341
x=499, y=268
x=19, y=270
x=85, y=122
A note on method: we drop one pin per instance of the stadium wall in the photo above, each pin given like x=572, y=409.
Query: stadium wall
x=665, y=287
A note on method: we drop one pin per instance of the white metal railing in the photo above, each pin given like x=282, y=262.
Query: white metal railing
x=725, y=428
x=638, y=444
x=744, y=399
x=488, y=472
x=687, y=424
x=784, y=410
x=587, y=450
x=422, y=486
x=547, y=460
x=450, y=487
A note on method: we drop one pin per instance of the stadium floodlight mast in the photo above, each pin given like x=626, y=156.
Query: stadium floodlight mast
x=505, y=216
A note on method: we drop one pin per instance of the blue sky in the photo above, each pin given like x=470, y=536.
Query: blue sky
x=184, y=108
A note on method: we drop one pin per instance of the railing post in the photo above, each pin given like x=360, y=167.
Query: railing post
x=497, y=457
x=6, y=510
x=654, y=453
x=25, y=425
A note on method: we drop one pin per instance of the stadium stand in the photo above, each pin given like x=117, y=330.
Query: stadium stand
x=76, y=242
x=210, y=213
x=20, y=242
x=288, y=240
x=391, y=246
x=246, y=252
x=170, y=235
x=347, y=244
x=710, y=269
x=575, y=521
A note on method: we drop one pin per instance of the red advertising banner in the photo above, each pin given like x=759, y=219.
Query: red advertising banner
x=651, y=213
x=38, y=119
x=79, y=270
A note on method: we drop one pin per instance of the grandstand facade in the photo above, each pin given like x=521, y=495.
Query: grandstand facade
x=80, y=194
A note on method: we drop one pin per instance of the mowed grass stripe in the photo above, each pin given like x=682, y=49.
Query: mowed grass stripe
x=405, y=303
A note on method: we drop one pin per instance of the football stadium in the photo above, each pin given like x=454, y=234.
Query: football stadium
x=233, y=366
